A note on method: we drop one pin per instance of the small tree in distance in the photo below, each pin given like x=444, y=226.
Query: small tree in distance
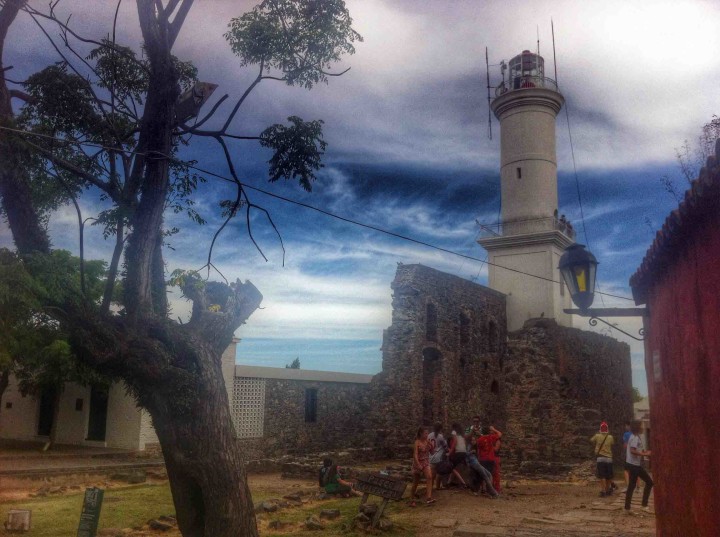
x=295, y=364
x=111, y=127
x=691, y=160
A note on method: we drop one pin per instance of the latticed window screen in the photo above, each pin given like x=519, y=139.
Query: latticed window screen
x=248, y=407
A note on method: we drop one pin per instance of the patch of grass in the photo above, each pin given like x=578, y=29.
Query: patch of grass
x=58, y=516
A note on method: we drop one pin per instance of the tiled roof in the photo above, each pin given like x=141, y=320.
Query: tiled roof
x=701, y=200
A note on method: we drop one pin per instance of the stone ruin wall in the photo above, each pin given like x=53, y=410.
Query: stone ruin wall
x=442, y=355
x=338, y=423
x=559, y=384
x=546, y=386
x=446, y=357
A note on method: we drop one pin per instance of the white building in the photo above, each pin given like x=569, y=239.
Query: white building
x=87, y=416
x=530, y=237
x=268, y=406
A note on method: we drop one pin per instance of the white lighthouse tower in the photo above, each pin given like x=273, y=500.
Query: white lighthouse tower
x=530, y=237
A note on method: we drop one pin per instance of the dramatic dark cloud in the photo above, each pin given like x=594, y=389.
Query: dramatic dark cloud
x=409, y=150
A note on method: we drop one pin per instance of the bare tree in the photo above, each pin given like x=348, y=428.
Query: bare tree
x=121, y=137
x=691, y=160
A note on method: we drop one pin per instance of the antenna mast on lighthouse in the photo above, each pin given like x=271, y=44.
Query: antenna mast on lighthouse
x=487, y=77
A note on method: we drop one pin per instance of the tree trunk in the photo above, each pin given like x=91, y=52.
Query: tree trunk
x=4, y=382
x=192, y=419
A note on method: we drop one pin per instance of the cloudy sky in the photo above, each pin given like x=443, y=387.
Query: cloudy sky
x=409, y=152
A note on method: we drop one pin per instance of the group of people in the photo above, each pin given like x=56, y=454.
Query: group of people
x=633, y=452
x=438, y=459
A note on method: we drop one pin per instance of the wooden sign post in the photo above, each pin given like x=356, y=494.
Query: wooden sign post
x=388, y=488
x=90, y=515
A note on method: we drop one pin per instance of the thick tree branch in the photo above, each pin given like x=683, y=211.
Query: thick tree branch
x=18, y=94
x=114, y=193
x=178, y=20
x=113, y=268
x=28, y=233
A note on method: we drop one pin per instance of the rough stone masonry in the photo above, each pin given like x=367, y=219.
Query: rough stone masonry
x=448, y=356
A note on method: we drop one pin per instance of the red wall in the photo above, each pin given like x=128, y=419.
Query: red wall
x=683, y=332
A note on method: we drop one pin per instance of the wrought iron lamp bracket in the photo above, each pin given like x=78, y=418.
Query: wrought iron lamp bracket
x=594, y=314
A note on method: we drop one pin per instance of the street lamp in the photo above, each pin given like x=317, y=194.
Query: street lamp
x=578, y=267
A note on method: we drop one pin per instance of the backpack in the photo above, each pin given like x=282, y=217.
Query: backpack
x=326, y=474
x=444, y=468
x=323, y=476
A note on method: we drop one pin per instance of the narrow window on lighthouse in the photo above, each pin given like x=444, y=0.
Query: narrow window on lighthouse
x=519, y=173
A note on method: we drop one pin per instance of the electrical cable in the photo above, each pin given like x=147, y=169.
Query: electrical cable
x=305, y=205
x=577, y=186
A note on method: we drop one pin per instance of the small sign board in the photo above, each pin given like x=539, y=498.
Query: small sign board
x=90, y=515
x=390, y=488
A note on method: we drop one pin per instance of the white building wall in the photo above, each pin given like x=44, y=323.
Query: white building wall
x=123, y=419
x=529, y=297
x=74, y=422
x=128, y=427
x=147, y=431
x=20, y=421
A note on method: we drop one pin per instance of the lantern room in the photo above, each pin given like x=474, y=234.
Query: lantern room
x=526, y=70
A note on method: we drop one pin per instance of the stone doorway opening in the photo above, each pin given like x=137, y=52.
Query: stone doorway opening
x=432, y=386
x=46, y=412
x=97, y=419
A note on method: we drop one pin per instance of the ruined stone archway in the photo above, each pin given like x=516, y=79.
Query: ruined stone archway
x=432, y=386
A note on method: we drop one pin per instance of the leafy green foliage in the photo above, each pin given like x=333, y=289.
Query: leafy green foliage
x=300, y=38
x=62, y=102
x=636, y=395
x=298, y=150
x=67, y=106
x=119, y=70
x=295, y=364
x=32, y=345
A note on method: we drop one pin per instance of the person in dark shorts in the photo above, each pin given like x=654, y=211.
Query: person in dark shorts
x=457, y=453
x=603, y=442
x=633, y=464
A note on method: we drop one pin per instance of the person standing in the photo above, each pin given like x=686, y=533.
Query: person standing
x=496, y=468
x=633, y=465
x=474, y=464
x=472, y=433
x=421, y=466
x=603, y=442
x=626, y=437
x=438, y=450
x=486, y=447
x=458, y=452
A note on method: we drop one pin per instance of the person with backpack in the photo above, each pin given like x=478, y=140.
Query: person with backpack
x=438, y=449
x=603, y=442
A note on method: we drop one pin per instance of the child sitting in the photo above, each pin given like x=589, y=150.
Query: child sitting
x=329, y=479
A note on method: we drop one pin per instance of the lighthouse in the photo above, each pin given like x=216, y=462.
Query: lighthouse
x=524, y=249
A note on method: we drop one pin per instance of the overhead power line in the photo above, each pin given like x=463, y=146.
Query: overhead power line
x=302, y=204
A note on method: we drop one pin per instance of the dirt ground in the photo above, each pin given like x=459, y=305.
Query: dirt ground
x=527, y=509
